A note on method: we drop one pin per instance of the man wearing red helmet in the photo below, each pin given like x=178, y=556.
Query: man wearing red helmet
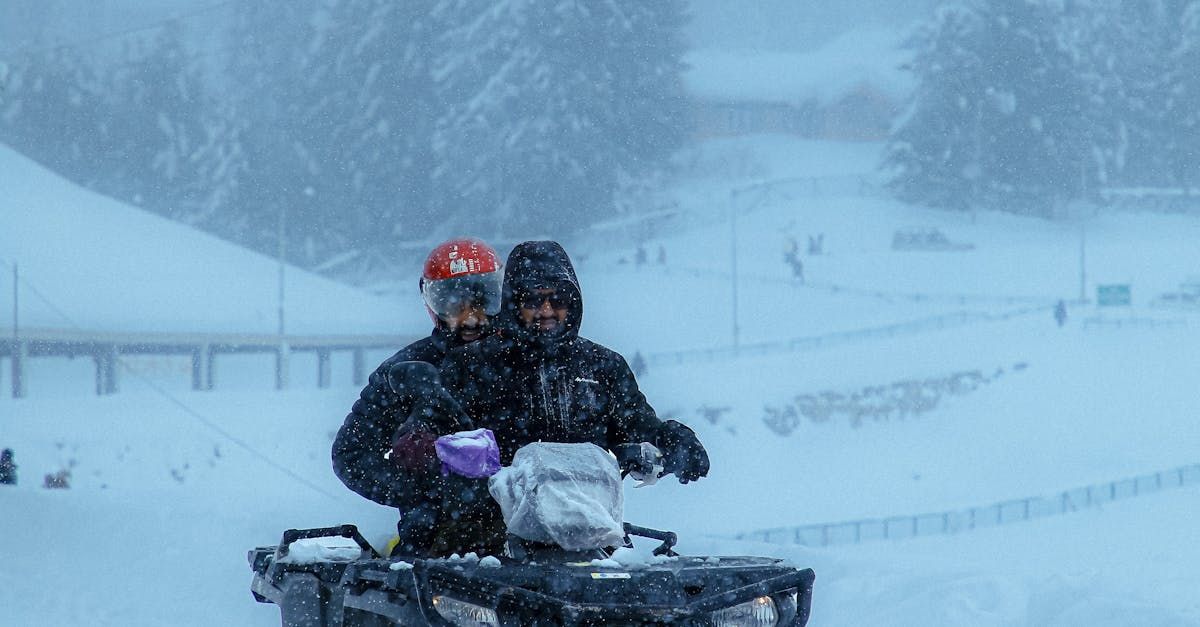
x=385, y=449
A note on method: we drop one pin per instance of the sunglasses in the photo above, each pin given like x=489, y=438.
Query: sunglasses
x=557, y=299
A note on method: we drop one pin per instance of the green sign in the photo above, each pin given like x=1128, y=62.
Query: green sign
x=1113, y=295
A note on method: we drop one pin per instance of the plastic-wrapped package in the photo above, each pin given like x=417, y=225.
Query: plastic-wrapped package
x=469, y=453
x=564, y=494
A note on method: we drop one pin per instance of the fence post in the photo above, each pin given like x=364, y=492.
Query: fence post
x=323, y=374
x=358, y=365
x=112, y=382
x=105, y=356
x=210, y=375
x=283, y=359
x=200, y=357
x=20, y=354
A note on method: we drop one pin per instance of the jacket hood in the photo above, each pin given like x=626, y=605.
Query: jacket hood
x=539, y=264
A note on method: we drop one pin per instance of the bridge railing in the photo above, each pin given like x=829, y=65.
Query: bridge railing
x=106, y=348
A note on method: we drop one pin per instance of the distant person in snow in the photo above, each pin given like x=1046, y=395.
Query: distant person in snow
x=638, y=364
x=662, y=255
x=640, y=257
x=791, y=257
x=380, y=452
x=1060, y=313
x=536, y=379
x=8, y=468
x=816, y=245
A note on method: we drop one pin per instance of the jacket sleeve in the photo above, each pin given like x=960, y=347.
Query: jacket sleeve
x=454, y=378
x=367, y=434
x=632, y=419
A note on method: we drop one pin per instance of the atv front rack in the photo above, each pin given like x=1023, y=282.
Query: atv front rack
x=372, y=591
x=668, y=538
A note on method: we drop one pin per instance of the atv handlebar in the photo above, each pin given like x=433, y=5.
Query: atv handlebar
x=341, y=531
x=668, y=537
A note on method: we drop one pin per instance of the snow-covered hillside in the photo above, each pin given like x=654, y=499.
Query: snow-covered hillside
x=169, y=492
x=100, y=265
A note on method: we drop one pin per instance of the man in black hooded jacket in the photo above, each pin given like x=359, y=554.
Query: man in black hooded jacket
x=535, y=380
x=384, y=450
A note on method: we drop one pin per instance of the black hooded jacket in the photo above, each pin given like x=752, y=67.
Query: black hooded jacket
x=392, y=393
x=526, y=387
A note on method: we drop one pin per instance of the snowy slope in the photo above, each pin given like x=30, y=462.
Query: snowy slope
x=100, y=265
x=184, y=485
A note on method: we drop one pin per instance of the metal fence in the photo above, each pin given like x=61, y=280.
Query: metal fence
x=963, y=520
x=836, y=288
x=827, y=340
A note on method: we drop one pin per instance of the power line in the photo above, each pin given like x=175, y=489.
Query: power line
x=196, y=415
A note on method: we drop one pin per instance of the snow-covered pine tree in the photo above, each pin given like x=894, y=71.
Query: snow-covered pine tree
x=935, y=152
x=1086, y=34
x=52, y=110
x=1183, y=147
x=547, y=103
x=1134, y=42
x=369, y=114
x=996, y=118
x=158, y=109
x=259, y=157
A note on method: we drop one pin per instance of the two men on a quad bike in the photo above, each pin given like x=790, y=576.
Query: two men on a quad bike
x=534, y=379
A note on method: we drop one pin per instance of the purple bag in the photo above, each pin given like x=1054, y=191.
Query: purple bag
x=471, y=454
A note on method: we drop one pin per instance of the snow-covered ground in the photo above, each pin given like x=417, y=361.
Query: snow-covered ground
x=169, y=491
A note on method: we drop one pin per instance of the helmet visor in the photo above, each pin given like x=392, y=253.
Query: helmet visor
x=449, y=297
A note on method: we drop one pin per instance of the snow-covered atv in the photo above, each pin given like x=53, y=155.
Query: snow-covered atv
x=534, y=583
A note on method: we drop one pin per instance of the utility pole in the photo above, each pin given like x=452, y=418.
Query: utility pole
x=733, y=276
x=1082, y=262
x=18, y=348
x=1082, y=231
x=975, y=183
x=282, y=250
x=282, y=356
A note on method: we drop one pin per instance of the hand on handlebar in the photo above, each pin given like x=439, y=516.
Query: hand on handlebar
x=643, y=461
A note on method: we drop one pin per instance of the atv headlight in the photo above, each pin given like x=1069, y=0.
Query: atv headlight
x=760, y=612
x=465, y=614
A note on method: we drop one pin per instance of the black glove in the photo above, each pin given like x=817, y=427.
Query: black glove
x=683, y=454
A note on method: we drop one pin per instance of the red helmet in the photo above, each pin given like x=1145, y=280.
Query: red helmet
x=460, y=272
